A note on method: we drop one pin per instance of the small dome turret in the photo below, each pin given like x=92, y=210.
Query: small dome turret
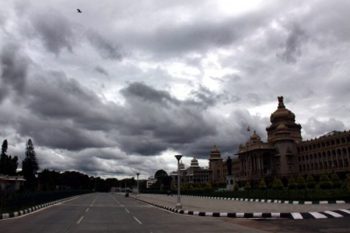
x=215, y=153
x=194, y=162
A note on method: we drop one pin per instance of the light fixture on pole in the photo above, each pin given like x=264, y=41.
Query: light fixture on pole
x=178, y=204
x=137, y=175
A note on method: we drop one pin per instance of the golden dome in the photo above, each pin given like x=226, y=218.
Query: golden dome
x=282, y=113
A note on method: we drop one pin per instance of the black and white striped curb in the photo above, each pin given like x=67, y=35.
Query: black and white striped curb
x=276, y=201
x=32, y=209
x=259, y=215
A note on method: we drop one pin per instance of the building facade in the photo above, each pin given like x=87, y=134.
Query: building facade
x=285, y=154
x=194, y=174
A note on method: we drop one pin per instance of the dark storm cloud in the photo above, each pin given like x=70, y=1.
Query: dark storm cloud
x=159, y=121
x=200, y=35
x=101, y=70
x=106, y=47
x=146, y=93
x=60, y=134
x=54, y=29
x=293, y=44
x=57, y=96
x=14, y=68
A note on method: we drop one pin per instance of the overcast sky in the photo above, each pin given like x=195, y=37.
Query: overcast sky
x=125, y=85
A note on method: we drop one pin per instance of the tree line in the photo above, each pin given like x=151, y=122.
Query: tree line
x=9, y=164
x=51, y=180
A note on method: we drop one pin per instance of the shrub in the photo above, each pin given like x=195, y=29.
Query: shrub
x=300, y=182
x=347, y=183
x=277, y=183
x=247, y=186
x=262, y=184
x=292, y=183
x=335, y=180
x=310, y=182
x=325, y=182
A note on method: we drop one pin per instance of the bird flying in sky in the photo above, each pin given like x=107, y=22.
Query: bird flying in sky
x=79, y=11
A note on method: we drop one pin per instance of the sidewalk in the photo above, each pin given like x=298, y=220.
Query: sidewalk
x=215, y=205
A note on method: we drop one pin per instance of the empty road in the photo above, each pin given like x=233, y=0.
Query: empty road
x=106, y=212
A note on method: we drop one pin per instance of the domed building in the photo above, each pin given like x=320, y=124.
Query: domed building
x=194, y=174
x=285, y=154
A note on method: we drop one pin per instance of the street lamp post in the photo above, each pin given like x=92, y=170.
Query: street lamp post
x=137, y=175
x=178, y=204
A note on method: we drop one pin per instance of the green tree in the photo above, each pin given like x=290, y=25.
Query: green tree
x=8, y=164
x=325, y=182
x=336, y=182
x=292, y=184
x=310, y=182
x=262, y=184
x=277, y=183
x=3, y=159
x=247, y=185
x=30, y=166
x=347, y=183
x=301, y=184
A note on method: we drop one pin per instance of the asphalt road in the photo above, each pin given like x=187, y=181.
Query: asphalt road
x=105, y=212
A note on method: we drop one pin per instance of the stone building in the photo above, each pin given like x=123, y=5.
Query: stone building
x=327, y=154
x=285, y=154
x=217, y=167
x=194, y=174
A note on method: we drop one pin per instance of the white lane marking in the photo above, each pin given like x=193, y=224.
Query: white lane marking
x=127, y=210
x=275, y=215
x=87, y=210
x=257, y=215
x=334, y=214
x=239, y=215
x=80, y=219
x=345, y=211
x=137, y=220
x=93, y=202
x=296, y=215
x=317, y=215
